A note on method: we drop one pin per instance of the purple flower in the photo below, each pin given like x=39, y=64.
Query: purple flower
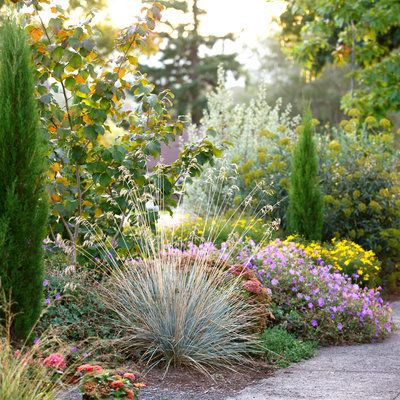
x=274, y=282
x=321, y=301
x=57, y=296
x=47, y=302
x=74, y=349
x=36, y=341
x=339, y=326
x=310, y=305
x=314, y=323
x=45, y=283
x=388, y=327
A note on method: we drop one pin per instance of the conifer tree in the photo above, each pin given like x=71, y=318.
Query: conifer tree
x=188, y=61
x=305, y=211
x=23, y=203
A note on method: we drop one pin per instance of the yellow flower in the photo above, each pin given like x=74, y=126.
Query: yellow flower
x=334, y=146
x=353, y=113
x=385, y=123
x=370, y=121
x=362, y=207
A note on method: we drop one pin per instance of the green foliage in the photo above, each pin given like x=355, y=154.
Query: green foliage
x=358, y=171
x=363, y=34
x=283, y=348
x=252, y=173
x=305, y=210
x=23, y=203
x=219, y=229
x=360, y=180
x=178, y=311
x=185, y=69
x=22, y=377
x=74, y=309
x=102, y=116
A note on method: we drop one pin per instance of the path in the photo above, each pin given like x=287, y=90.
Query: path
x=362, y=372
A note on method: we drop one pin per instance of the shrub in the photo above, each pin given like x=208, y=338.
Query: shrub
x=361, y=186
x=220, y=229
x=23, y=203
x=254, y=166
x=315, y=302
x=283, y=348
x=305, y=210
x=178, y=311
x=344, y=256
x=358, y=170
x=73, y=308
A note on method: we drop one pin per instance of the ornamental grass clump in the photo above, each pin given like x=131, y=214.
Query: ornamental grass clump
x=179, y=312
x=24, y=374
x=316, y=303
x=21, y=378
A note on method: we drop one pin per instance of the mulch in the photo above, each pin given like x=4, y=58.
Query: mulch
x=183, y=384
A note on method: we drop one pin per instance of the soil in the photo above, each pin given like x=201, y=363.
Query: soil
x=182, y=384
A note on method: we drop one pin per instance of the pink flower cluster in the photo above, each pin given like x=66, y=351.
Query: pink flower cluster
x=55, y=361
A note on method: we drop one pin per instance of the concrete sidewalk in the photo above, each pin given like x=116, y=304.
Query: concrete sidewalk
x=360, y=372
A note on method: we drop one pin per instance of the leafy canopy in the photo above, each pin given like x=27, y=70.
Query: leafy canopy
x=101, y=115
x=363, y=34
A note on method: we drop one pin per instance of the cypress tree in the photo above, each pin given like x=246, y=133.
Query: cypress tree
x=305, y=211
x=23, y=203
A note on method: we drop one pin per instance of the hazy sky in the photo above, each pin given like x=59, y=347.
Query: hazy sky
x=249, y=20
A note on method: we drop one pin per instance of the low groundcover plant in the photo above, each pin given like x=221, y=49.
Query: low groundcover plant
x=308, y=296
x=316, y=302
x=283, y=348
x=95, y=383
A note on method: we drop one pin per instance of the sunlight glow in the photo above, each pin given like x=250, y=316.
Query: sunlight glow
x=247, y=20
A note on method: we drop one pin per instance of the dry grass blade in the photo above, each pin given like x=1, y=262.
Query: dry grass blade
x=21, y=376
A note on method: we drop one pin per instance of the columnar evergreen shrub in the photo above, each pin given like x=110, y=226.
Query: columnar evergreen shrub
x=305, y=211
x=23, y=204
